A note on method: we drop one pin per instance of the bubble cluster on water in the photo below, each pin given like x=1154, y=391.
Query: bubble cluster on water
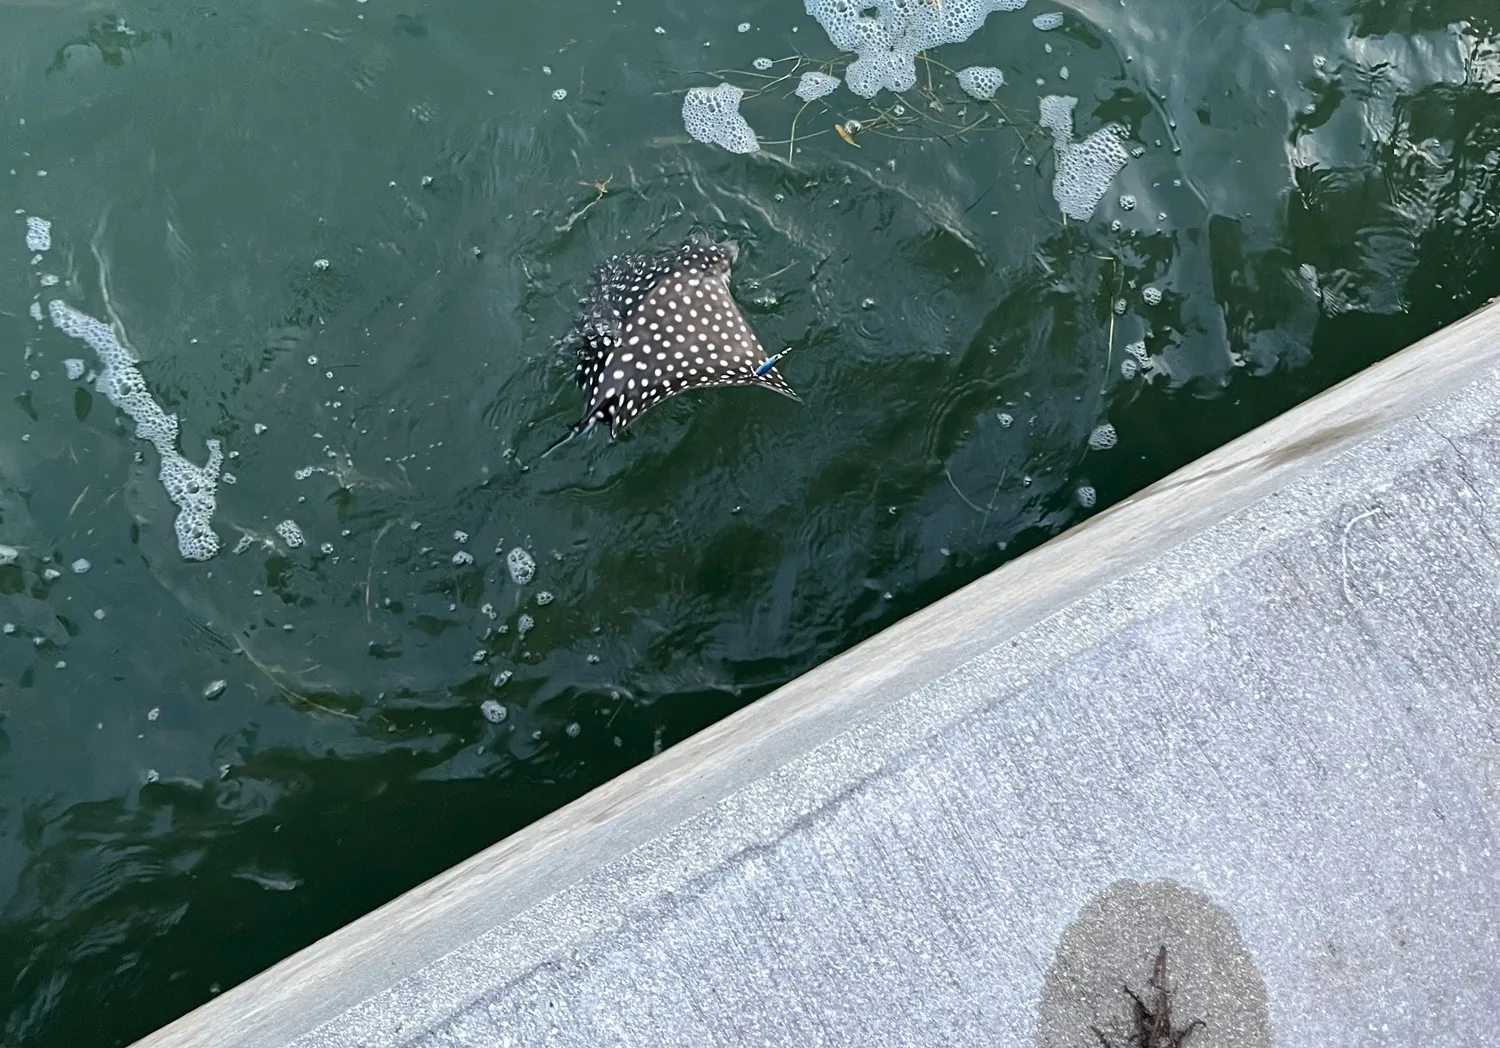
x=815, y=85
x=762, y=64
x=521, y=565
x=1086, y=496
x=981, y=82
x=1127, y=202
x=524, y=625
x=493, y=711
x=1085, y=168
x=1151, y=296
x=887, y=45
x=1129, y=368
x=559, y=94
x=543, y=598
x=463, y=557
x=290, y=533
x=191, y=488
x=80, y=566
x=501, y=679
x=1049, y=21
x=1103, y=437
x=74, y=367
x=712, y=115
x=38, y=234
x=214, y=688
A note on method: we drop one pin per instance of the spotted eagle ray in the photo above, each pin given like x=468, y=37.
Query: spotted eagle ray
x=654, y=326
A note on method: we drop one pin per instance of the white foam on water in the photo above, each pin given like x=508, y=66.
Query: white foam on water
x=493, y=711
x=290, y=533
x=38, y=234
x=981, y=82
x=1086, y=496
x=815, y=85
x=1103, y=437
x=1085, y=168
x=74, y=367
x=521, y=565
x=36, y=311
x=712, y=115
x=888, y=43
x=191, y=488
x=1050, y=20
x=1151, y=296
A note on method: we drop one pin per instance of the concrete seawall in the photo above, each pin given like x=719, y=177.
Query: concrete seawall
x=1252, y=714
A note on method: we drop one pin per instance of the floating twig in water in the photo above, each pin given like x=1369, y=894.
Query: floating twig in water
x=599, y=188
x=1109, y=349
x=370, y=574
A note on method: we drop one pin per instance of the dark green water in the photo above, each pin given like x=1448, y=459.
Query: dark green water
x=1316, y=187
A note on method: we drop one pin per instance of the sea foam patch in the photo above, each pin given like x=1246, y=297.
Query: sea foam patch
x=193, y=489
x=1086, y=168
x=888, y=42
x=712, y=115
x=38, y=234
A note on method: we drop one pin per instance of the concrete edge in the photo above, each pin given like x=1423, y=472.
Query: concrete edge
x=837, y=722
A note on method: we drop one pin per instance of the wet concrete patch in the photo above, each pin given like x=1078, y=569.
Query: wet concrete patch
x=1114, y=942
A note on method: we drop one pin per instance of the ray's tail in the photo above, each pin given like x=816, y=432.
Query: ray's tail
x=582, y=427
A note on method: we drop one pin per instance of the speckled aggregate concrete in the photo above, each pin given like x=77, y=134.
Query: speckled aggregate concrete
x=1252, y=715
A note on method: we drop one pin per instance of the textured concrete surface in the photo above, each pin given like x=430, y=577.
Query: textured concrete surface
x=1252, y=714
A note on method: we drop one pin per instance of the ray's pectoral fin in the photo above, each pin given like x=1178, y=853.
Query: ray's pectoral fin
x=767, y=375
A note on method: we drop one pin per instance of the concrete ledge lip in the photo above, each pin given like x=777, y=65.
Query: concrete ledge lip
x=1278, y=661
